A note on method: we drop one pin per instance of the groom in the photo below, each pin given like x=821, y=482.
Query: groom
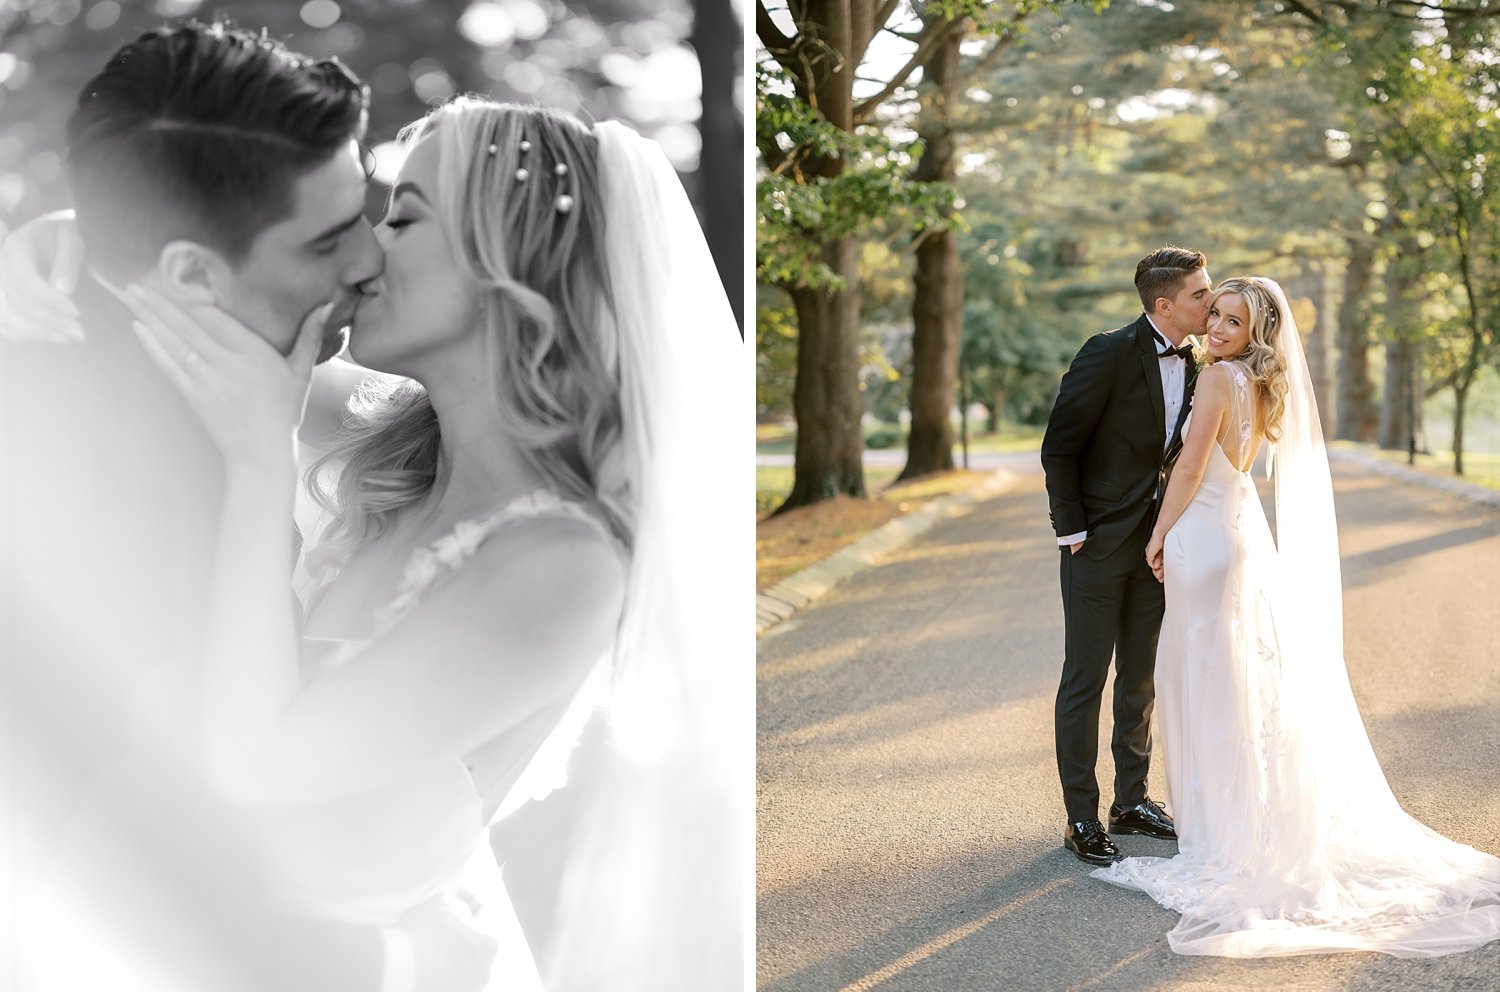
x=1113, y=435
x=224, y=170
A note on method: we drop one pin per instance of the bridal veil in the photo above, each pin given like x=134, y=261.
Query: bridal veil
x=656, y=895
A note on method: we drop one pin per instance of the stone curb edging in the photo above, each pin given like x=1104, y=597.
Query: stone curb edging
x=796, y=591
x=1379, y=466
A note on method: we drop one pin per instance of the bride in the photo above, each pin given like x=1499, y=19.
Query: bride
x=516, y=538
x=1290, y=841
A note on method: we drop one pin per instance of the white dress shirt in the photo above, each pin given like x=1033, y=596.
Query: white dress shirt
x=1173, y=376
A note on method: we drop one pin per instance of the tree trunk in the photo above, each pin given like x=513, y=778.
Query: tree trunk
x=826, y=397
x=1395, y=406
x=1319, y=345
x=935, y=313
x=1400, y=352
x=1460, y=400
x=1357, y=416
x=938, y=296
x=716, y=39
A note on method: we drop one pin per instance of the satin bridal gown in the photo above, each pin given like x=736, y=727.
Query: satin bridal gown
x=424, y=843
x=1290, y=841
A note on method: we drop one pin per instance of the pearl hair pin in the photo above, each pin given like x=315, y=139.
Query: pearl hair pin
x=564, y=203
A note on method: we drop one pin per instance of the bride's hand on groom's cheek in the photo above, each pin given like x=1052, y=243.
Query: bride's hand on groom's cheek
x=249, y=397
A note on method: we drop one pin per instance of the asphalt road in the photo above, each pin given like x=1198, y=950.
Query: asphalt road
x=909, y=816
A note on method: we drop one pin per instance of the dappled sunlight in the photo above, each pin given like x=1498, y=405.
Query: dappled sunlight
x=900, y=912
x=937, y=707
x=953, y=936
x=910, y=816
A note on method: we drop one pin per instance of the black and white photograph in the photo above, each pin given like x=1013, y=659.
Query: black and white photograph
x=372, y=616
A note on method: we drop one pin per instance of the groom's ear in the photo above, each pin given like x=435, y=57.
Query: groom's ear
x=192, y=272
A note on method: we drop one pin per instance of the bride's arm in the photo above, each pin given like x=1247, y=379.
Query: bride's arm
x=1210, y=404
x=518, y=628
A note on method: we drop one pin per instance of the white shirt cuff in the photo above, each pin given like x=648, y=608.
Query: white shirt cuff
x=1071, y=539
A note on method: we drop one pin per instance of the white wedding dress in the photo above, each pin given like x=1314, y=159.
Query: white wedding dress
x=1290, y=841
x=137, y=912
x=377, y=858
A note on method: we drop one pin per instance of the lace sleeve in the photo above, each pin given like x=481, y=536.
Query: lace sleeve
x=427, y=566
x=1238, y=437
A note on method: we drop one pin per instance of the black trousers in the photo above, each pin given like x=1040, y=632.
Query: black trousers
x=1111, y=606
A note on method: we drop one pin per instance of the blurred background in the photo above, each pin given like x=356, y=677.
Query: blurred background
x=670, y=68
x=952, y=197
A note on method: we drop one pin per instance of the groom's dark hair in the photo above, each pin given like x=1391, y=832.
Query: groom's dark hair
x=1161, y=273
x=199, y=132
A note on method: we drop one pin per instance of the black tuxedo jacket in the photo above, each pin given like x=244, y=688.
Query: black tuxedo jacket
x=110, y=492
x=111, y=499
x=1103, y=453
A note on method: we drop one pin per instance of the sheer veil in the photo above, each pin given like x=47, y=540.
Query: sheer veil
x=656, y=892
x=1338, y=864
x=1339, y=766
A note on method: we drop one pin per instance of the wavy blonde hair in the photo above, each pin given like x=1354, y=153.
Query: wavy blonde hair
x=550, y=332
x=1263, y=356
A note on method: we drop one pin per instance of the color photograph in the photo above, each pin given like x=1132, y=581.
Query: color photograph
x=1127, y=495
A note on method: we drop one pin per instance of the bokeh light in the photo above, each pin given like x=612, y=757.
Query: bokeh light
x=176, y=8
x=320, y=13
x=487, y=25
x=63, y=11
x=388, y=159
x=523, y=77
x=102, y=15
x=600, y=59
x=530, y=18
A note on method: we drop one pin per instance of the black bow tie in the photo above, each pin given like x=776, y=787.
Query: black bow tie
x=1185, y=351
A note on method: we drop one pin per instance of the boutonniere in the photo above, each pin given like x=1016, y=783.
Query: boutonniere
x=1199, y=362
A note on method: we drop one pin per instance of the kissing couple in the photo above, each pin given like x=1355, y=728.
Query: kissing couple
x=507, y=547
x=1289, y=839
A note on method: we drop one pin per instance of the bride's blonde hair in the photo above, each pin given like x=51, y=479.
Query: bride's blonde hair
x=534, y=242
x=1264, y=355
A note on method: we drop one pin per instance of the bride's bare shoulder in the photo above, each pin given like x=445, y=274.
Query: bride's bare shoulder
x=1215, y=378
x=562, y=564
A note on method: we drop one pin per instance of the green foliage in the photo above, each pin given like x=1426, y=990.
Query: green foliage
x=1435, y=93
x=818, y=182
x=775, y=355
x=1102, y=136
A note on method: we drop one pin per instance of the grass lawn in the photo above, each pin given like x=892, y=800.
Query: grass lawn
x=795, y=540
x=772, y=439
x=1480, y=467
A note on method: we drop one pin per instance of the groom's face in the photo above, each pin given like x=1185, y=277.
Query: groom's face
x=1190, y=306
x=320, y=252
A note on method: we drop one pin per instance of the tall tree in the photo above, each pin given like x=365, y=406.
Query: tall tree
x=1354, y=407
x=938, y=283
x=818, y=47
x=1428, y=70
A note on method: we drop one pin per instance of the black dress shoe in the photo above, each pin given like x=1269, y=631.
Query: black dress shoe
x=1145, y=817
x=1090, y=843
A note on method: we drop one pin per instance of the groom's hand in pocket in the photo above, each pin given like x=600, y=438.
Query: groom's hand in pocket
x=1075, y=546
